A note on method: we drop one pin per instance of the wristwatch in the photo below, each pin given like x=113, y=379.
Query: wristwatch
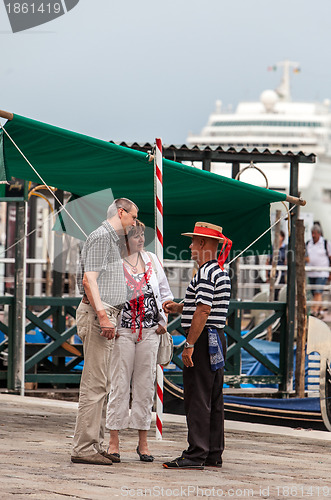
x=187, y=345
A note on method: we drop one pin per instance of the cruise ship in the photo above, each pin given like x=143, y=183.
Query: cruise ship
x=276, y=122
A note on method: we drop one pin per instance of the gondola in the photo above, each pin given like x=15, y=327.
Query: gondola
x=306, y=413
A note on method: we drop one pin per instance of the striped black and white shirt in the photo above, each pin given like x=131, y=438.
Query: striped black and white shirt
x=211, y=286
x=101, y=254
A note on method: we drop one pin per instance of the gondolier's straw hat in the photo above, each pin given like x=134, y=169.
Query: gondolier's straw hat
x=207, y=230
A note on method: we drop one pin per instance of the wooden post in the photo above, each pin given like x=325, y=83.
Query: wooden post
x=273, y=271
x=296, y=201
x=6, y=115
x=301, y=309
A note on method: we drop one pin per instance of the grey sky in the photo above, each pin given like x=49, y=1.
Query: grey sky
x=130, y=70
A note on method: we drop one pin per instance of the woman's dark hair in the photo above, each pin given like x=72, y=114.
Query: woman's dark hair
x=133, y=231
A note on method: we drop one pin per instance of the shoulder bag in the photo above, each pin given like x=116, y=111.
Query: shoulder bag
x=166, y=345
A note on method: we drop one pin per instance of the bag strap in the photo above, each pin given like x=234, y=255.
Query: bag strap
x=326, y=250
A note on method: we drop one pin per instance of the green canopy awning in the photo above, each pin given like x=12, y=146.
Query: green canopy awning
x=83, y=165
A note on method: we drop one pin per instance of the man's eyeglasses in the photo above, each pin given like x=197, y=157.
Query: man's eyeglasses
x=134, y=217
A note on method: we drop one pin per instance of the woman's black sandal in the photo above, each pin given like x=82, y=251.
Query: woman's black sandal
x=143, y=457
x=115, y=457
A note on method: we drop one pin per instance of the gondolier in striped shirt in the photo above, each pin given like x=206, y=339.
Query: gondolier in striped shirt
x=204, y=314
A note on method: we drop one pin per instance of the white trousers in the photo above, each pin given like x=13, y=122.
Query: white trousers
x=132, y=362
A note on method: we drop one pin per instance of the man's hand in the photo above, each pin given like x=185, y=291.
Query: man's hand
x=160, y=330
x=108, y=330
x=171, y=307
x=109, y=333
x=187, y=356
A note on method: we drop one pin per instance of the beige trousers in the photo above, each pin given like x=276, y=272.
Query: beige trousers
x=132, y=362
x=95, y=381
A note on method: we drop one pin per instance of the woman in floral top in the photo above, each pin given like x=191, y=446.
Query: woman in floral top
x=133, y=361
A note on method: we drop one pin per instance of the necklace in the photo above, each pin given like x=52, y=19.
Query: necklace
x=133, y=266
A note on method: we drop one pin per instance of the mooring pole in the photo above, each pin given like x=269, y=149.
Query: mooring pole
x=301, y=311
x=291, y=281
x=158, y=196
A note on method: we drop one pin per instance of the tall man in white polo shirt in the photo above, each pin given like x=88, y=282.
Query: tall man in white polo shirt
x=318, y=255
x=203, y=317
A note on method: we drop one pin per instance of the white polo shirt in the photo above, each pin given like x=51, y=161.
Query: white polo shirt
x=317, y=257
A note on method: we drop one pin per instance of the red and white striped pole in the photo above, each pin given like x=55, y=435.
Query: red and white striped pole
x=158, y=175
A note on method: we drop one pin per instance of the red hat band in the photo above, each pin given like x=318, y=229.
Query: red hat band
x=225, y=250
x=207, y=231
x=227, y=243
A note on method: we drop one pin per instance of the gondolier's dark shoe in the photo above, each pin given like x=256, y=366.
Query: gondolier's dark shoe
x=214, y=463
x=183, y=463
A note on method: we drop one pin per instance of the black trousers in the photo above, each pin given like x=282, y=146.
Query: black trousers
x=204, y=407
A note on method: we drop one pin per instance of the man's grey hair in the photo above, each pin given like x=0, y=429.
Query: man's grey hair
x=120, y=203
x=317, y=228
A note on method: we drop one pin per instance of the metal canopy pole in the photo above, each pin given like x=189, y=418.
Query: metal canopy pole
x=59, y=270
x=20, y=299
x=234, y=267
x=59, y=317
x=291, y=281
x=32, y=243
x=234, y=320
x=206, y=163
